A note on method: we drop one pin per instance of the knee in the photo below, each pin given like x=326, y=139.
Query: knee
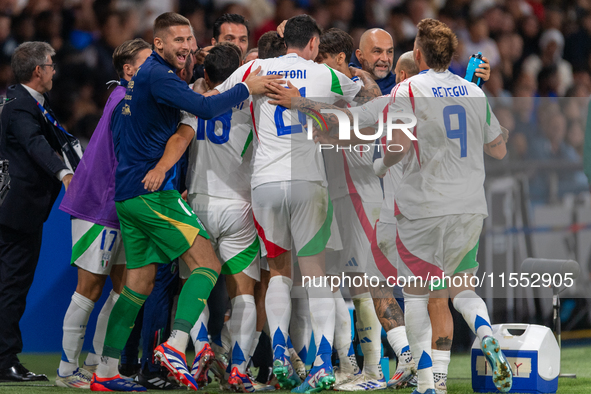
x=91, y=289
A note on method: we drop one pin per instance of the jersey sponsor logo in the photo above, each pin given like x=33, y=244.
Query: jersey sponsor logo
x=352, y=263
x=453, y=91
x=291, y=74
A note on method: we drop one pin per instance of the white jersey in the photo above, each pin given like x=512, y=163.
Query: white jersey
x=283, y=150
x=220, y=155
x=350, y=170
x=443, y=171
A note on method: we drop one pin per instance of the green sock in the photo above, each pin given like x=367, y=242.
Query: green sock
x=193, y=298
x=121, y=321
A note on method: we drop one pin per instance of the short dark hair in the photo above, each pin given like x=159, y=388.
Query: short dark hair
x=334, y=41
x=438, y=43
x=228, y=18
x=27, y=56
x=271, y=45
x=299, y=30
x=167, y=20
x=127, y=52
x=221, y=62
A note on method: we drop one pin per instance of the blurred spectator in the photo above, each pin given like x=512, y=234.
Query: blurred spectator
x=510, y=50
x=575, y=136
x=551, y=47
x=552, y=146
x=495, y=91
x=478, y=40
x=578, y=45
x=529, y=29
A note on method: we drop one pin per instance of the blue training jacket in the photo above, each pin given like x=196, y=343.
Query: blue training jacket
x=150, y=115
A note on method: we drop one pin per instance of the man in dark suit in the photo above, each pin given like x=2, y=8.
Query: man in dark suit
x=28, y=140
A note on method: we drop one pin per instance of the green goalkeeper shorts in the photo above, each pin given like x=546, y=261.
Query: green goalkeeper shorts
x=157, y=227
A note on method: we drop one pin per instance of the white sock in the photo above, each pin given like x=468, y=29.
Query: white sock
x=278, y=307
x=74, y=328
x=322, y=316
x=342, y=332
x=369, y=331
x=223, y=343
x=108, y=367
x=300, y=330
x=199, y=333
x=178, y=339
x=94, y=357
x=242, y=327
x=418, y=330
x=473, y=309
x=441, y=359
x=398, y=340
x=255, y=343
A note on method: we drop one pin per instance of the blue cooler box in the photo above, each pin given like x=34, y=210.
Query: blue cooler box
x=534, y=356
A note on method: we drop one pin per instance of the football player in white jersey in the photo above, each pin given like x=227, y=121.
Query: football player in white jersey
x=440, y=204
x=289, y=195
x=357, y=197
x=218, y=184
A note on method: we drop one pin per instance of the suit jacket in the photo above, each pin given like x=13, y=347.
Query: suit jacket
x=28, y=141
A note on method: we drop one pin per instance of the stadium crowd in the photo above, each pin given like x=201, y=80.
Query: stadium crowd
x=536, y=49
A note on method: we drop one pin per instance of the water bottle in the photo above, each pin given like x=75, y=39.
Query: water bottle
x=475, y=61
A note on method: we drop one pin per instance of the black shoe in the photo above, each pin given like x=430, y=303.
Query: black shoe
x=18, y=373
x=129, y=370
x=156, y=381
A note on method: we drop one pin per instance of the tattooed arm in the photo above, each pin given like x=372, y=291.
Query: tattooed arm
x=497, y=147
x=290, y=98
x=387, y=309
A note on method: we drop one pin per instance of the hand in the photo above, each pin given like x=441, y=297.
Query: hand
x=200, y=86
x=184, y=195
x=154, y=179
x=483, y=71
x=379, y=168
x=323, y=137
x=505, y=134
x=256, y=84
x=281, y=28
x=201, y=53
x=66, y=180
x=281, y=95
x=357, y=72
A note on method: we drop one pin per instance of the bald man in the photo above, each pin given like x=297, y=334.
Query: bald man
x=376, y=56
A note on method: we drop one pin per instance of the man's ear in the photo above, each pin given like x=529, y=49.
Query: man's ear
x=213, y=41
x=313, y=43
x=207, y=80
x=341, y=58
x=359, y=55
x=158, y=43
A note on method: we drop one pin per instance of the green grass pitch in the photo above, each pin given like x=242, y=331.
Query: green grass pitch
x=574, y=360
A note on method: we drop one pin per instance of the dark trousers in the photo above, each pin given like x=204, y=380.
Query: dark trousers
x=19, y=254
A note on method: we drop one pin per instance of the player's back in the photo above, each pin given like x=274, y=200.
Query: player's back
x=220, y=155
x=283, y=150
x=444, y=171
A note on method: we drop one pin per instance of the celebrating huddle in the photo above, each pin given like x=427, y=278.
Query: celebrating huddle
x=265, y=207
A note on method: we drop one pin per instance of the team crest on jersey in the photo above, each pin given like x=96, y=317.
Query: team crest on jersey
x=126, y=110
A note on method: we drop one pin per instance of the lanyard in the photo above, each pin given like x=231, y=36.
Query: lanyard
x=51, y=119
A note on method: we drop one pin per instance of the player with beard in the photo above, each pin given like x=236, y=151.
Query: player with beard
x=156, y=224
